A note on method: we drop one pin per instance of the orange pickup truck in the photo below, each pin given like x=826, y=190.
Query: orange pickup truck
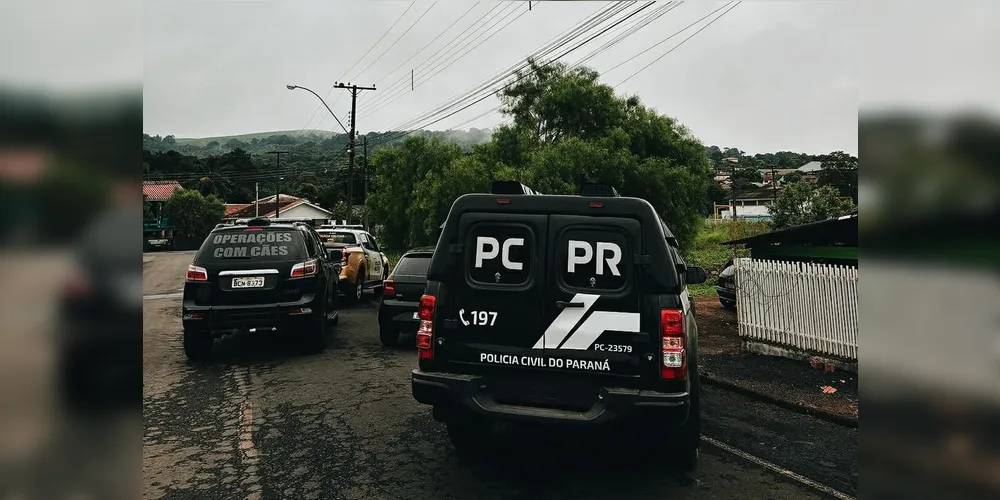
x=363, y=265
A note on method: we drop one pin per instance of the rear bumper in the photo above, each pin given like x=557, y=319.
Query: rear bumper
x=223, y=321
x=398, y=316
x=471, y=392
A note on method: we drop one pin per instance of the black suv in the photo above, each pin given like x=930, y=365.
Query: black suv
x=726, y=286
x=260, y=277
x=560, y=309
x=401, y=292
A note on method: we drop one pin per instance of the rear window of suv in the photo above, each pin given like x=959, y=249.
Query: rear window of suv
x=252, y=244
x=413, y=265
x=347, y=238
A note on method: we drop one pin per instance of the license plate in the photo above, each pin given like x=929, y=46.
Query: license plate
x=254, y=282
x=416, y=315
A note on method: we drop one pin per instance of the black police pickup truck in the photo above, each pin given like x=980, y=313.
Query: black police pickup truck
x=260, y=277
x=564, y=310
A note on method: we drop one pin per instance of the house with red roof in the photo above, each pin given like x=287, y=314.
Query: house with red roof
x=159, y=191
x=287, y=206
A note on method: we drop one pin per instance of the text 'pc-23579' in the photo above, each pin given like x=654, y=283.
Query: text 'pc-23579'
x=557, y=309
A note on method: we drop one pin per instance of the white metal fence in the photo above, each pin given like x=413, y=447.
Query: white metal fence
x=812, y=307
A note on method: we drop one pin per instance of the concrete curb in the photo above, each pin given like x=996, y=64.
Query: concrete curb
x=828, y=416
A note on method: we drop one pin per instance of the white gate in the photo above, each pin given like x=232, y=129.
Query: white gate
x=811, y=307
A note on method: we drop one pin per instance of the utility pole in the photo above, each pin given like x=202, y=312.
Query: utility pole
x=774, y=185
x=367, y=176
x=277, y=176
x=354, y=89
x=256, y=197
x=367, y=167
x=732, y=184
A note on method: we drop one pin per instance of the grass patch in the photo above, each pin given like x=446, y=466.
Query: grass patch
x=709, y=252
x=702, y=289
x=393, y=258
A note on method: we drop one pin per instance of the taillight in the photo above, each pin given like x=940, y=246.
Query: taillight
x=425, y=335
x=77, y=286
x=196, y=273
x=388, y=288
x=343, y=258
x=302, y=269
x=674, y=358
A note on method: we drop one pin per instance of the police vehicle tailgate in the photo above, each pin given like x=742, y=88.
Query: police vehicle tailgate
x=546, y=295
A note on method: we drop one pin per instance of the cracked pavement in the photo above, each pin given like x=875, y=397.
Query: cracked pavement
x=263, y=421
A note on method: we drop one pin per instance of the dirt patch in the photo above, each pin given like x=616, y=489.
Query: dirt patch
x=164, y=272
x=717, y=327
x=721, y=355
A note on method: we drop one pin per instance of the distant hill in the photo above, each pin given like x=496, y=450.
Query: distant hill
x=310, y=142
x=203, y=141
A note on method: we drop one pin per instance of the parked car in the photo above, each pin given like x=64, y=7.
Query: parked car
x=726, y=286
x=99, y=325
x=363, y=265
x=260, y=277
x=565, y=310
x=397, y=312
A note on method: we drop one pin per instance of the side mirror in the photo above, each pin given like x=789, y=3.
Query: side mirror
x=335, y=254
x=696, y=275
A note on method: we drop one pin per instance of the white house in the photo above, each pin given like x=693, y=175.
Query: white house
x=811, y=167
x=290, y=206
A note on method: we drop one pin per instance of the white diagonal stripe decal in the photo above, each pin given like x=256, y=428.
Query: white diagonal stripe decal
x=598, y=323
x=567, y=319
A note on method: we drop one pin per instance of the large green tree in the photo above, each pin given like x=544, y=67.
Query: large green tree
x=840, y=171
x=805, y=202
x=567, y=128
x=192, y=214
x=408, y=181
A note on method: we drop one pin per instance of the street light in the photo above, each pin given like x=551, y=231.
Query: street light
x=293, y=87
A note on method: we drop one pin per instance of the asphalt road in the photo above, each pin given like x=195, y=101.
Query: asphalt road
x=263, y=421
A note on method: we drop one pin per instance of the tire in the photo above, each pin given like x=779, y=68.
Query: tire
x=388, y=336
x=728, y=305
x=360, y=286
x=472, y=439
x=334, y=305
x=198, y=346
x=686, y=442
x=315, y=336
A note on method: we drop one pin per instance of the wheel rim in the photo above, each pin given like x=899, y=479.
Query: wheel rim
x=360, y=290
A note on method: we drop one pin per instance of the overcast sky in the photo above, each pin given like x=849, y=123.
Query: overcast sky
x=767, y=76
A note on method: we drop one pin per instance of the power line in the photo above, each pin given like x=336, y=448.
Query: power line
x=400, y=84
x=731, y=7
x=678, y=45
x=393, y=44
x=398, y=19
x=250, y=176
x=661, y=42
x=436, y=69
x=415, y=54
x=620, y=21
x=551, y=47
x=629, y=31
